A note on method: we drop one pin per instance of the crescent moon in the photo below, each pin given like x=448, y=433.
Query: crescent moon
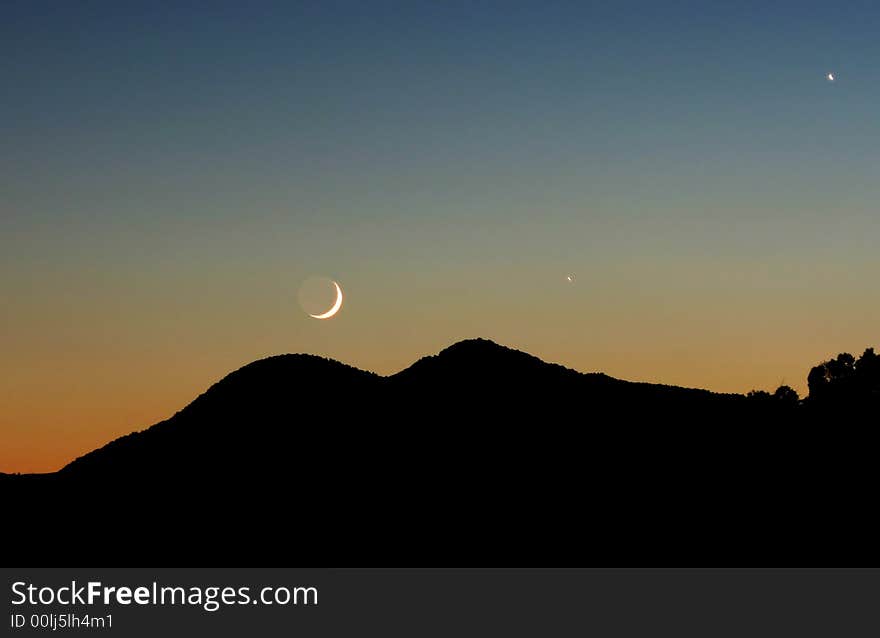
x=336, y=305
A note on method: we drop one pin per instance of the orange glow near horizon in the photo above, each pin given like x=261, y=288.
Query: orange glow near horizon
x=57, y=411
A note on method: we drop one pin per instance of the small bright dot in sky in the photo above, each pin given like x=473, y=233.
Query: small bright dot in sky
x=830, y=77
x=570, y=278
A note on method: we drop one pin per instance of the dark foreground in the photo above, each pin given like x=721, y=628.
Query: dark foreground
x=479, y=456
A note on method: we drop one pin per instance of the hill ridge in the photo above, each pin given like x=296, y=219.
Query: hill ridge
x=480, y=446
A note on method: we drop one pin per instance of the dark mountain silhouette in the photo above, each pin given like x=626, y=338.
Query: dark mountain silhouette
x=480, y=454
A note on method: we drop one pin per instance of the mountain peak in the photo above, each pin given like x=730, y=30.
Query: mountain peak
x=477, y=346
x=479, y=360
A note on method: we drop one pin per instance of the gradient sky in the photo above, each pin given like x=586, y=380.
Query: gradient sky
x=170, y=175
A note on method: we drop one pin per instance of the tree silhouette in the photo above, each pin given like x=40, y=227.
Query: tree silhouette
x=784, y=397
x=787, y=395
x=846, y=380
